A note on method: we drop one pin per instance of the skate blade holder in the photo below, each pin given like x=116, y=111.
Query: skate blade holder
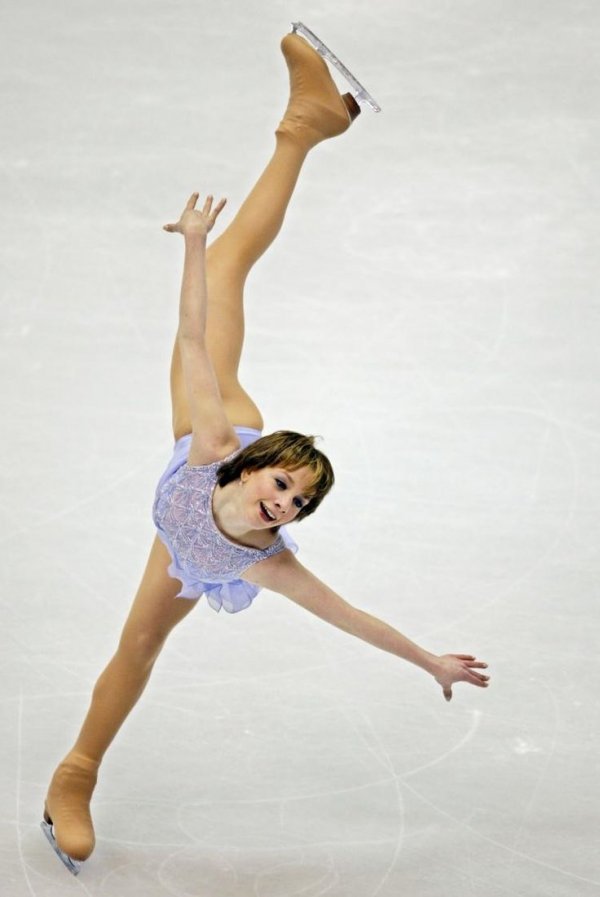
x=72, y=865
x=361, y=94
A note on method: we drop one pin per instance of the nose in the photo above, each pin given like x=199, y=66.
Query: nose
x=282, y=503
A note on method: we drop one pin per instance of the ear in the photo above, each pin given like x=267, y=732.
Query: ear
x=244, y=475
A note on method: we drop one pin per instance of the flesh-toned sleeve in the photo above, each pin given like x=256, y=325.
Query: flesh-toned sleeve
x=213, y=435
x=284, y=574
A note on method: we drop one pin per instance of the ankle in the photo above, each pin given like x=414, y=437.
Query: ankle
x=79, y=760
x=292, y=138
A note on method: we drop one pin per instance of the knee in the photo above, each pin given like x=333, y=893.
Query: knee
x=143, y=644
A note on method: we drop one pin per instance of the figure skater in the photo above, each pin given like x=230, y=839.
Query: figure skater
x=227, y=491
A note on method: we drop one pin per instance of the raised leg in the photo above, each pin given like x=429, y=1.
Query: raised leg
x=229, y=260
x=315, y=112
x=154, y=613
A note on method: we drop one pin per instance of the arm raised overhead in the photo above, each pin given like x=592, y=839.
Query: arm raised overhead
x=213, y=436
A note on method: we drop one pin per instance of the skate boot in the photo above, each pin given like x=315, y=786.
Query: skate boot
x=316, y=109
x=67, y=820
x=361, y=94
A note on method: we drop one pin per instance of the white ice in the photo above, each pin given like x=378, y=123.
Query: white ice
x=431, y=309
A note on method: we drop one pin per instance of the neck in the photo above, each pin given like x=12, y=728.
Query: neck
x=228, y=518
x=226, y=511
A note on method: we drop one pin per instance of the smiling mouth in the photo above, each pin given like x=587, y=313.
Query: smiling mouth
x=266, y=514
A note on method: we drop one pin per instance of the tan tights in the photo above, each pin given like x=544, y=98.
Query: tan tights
x=229, y=260
x=315, y=111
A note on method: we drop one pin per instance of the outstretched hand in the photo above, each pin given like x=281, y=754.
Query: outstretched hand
x=459, y=668
x=196, y=221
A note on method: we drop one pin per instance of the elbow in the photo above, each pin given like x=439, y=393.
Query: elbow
x=189, y=339
x=342, y=615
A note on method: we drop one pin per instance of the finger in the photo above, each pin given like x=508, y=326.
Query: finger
x=470, y=671
x=218, y=209
x=170, y=227
x=191, y=203
x=448, y=694
x=207, y=205
x=464, y=656
x=477, y=679
x=477, y=664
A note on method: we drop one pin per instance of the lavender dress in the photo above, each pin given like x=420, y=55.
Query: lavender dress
x=205, y=560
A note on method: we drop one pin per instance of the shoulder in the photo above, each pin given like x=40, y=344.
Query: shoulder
x=281, y=572
x=285, y=575
x=204, y=453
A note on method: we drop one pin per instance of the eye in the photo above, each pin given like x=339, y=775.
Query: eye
x=298, y=502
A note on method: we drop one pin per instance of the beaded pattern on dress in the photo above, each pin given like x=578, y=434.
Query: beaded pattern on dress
x=203, y=558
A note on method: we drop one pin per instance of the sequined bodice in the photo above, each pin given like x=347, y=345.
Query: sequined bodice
x=183, y=513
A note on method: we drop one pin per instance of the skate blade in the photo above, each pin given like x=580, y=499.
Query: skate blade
x=362, y=95
x=72, y=865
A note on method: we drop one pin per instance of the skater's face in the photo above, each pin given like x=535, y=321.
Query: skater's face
x=274, y=495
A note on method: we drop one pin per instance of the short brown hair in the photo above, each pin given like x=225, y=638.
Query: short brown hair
x=288, y=450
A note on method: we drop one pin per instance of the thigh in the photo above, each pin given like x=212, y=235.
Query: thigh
x=156, y=610
x=224, y=339
x=240, y=408
x=225, y=330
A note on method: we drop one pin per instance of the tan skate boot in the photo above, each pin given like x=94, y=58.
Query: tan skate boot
x=67, y=819
x=316, y=109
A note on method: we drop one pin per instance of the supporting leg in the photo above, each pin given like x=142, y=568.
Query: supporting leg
x=153, y=615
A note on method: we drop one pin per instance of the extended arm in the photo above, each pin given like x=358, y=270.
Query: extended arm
x=284, y=574
x=213, y=436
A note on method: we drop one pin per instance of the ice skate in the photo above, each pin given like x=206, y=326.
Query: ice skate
x=67, y=820
x=316, y=109
x=361, y=94
x=47, y=828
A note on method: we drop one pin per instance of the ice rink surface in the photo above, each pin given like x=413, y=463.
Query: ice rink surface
x=431, y=310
